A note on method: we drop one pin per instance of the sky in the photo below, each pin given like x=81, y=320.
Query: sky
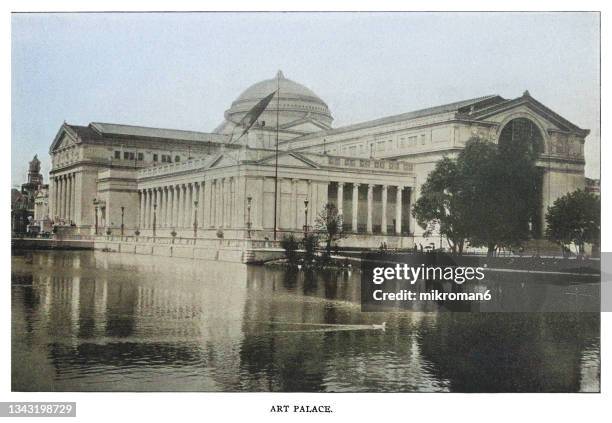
x=183, y=70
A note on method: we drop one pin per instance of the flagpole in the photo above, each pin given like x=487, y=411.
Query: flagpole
x=276, y=153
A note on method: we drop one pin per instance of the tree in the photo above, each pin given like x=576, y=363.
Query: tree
x=442, y=204
x=290, y=244
x=487, y=195
x=575, y=219
x=329, y=223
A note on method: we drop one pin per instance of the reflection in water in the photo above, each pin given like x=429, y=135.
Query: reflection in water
x=110, y=322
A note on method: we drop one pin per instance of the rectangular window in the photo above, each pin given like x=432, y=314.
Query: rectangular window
x=423, y=139
x=412, y=141
x=140, y=157
x=117, y=155
x=154, y=157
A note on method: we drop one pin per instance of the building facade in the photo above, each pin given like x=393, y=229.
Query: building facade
x=109, y=178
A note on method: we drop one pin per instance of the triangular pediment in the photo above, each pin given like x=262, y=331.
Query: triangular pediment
x=306, y=124
x=64, y=138
x=289, y=160
x=527, y=106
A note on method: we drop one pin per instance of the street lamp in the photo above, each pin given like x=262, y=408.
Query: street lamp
x=305, y=218
x=122, y=210
x=154, y=218
x=249, y=199
x=195, y=219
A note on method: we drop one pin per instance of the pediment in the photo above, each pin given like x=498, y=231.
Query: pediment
x=64, y=138
x=528, y=107
x=306, y=125
x=289, y=160
x=222, y=160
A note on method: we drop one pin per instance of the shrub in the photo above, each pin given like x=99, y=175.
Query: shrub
x=310, y=243
x=290, y=244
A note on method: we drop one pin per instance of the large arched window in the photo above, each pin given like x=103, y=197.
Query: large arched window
x=521, y=136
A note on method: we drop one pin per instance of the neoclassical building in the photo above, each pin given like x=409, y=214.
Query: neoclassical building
x=119, y=178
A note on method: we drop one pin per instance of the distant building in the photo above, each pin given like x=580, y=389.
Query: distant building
x=593, y=186
x=30, y=205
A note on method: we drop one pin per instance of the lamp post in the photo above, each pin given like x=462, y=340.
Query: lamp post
x=154, y=218
x=122, y=210
x=195, y=219
x=249, y=199
x=305, y=218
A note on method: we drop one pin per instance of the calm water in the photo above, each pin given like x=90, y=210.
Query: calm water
x=94, y=321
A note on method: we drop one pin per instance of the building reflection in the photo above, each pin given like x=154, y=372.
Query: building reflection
x=126, y=322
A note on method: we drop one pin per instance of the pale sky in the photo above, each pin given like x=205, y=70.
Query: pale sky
x=183, y=70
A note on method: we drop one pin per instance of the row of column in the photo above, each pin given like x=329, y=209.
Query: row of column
x=205, y=204
x=63, y=200
x=370, y=201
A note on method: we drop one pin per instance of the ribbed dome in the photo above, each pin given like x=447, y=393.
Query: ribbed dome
x=287, y=87
x=296, y=103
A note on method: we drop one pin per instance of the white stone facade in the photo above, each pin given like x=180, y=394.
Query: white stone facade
x=123, y=178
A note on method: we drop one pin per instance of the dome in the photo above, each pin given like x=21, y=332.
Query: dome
x=296, y=105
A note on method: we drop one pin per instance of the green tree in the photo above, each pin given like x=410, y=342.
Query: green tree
x=442, y=205
x=329, y=223
x=575, y=219
x=487, y=195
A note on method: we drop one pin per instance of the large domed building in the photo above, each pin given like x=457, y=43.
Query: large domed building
x=230, y=183
x=300, y=110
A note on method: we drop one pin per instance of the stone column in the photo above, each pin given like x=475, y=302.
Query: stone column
x=68, y=198
x=340, y=197
x=206, y=205
x=398, y=211
x=370, y=200
x=180, y=211
x=150, y=208
x=383, y=227
x=355, y=205
x=212, y=203
x=56, y=198
x=164, y=207
x=294, y=205
x=219, y=211
x=170, y=207
x=156, y=203
x=167, y=205
x=73, y=197
x=201, y=204
x=175, y=205
x=60, y=197
x=187, y=209
x=141, y=211
x=65, y=199
x=413, y=223
x=145, y=216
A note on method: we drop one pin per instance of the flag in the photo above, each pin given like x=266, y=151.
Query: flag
x=252, y=115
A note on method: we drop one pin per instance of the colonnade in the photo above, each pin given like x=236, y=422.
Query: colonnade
x=206, y=204
x=340, y=203
x=63, y=197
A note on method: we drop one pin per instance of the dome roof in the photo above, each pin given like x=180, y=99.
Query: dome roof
x=296, y=103
x=288, y=88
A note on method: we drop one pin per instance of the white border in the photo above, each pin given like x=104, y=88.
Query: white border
x=357, y=407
